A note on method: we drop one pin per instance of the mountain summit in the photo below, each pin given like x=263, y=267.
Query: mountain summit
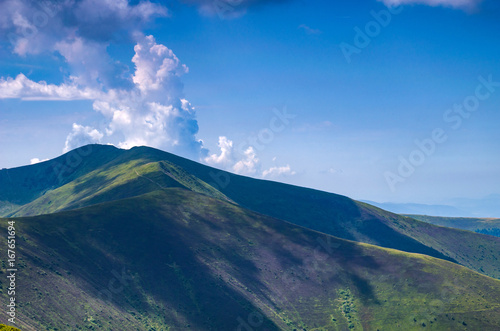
x=141, y=239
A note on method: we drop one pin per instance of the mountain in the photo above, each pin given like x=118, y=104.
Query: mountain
x=22, y=185
x=97, y=173
x=487, y=207
x=176, y=259
x=489, y=226
x=421, y=209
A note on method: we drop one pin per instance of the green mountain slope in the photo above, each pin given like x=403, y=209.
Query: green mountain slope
x=489, y=226
x=120, y=174
x=4, y=327
x=22, y=185
x=116, y=181
x=174, y=259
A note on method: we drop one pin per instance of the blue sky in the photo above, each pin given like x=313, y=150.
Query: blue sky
x=407, y=110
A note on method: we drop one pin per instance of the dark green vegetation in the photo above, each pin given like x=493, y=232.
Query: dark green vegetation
x=489, y=226
x=143, y=239
x=97, y=173
x=175, y=259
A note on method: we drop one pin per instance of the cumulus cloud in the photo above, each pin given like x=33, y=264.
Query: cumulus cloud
x=461, y=4
x=152, y=111
x=246, y=164
x=225, y=158
x=278, y=171
x=80, y=31
x=80, y=136
x=36, y=160
x=157, y=67
x=91, y=65
x=144, y=105
x=34, y=26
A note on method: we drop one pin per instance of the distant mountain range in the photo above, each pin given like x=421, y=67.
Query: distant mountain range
x=490, y=226
x=142, y=239
x=489, y=207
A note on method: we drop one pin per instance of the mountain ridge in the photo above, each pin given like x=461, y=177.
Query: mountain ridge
x=325, y=212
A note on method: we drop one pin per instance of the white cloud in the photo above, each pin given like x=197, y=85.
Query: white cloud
x=144, y=105
x=91, y=65
x=36, y=160
x=334, y=171
x=80, y=136
x=307, y=127
x=23, y=88
x=309, y=30
x=278, y=171
x=461, y=4
x=156, y=66
x=228, y=8
x=246, y=164
x=225, y=158
x=151, y=111
x=34, y=26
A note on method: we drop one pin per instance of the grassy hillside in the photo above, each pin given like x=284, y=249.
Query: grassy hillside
x=4, y=327
x=120, y=174
x=22, y=185
x=489, y=226
x=115, y=181
x=476, y=251
x=175, y=260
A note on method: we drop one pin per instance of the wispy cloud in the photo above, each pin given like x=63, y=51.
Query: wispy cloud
x=332, y=171
x=309, y=30
x=278, y=171
x=22, y=87
x=228, y=8
x=459, y=4
x=308, y=127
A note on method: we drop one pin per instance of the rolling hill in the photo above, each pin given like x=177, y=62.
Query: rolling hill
x=420, y=209
x=176, y=259
x=489, y=226
x=97, y=173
